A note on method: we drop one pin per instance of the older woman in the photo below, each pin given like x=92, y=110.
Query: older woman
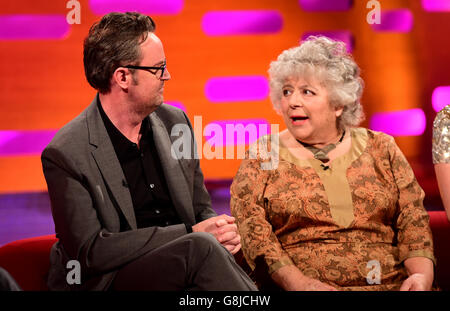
x=342, y=209
x=441, y=154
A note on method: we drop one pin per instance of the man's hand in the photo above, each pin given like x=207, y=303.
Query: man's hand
x=416, y=282
x=224, y=230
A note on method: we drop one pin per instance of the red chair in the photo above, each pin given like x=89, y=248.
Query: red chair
x=28, y=262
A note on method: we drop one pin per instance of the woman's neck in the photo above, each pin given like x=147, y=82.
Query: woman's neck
x=322, y=143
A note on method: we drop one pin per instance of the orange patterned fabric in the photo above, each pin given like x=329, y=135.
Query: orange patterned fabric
x=284, y=218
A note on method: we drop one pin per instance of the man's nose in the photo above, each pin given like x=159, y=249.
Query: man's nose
x=166, y=75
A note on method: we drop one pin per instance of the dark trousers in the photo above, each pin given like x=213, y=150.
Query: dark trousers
x=196, y=261
x=7, y=283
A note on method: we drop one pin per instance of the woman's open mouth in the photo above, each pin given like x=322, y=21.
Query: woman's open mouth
x=299, y=120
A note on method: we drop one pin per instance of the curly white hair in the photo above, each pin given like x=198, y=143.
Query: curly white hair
x=327, y=61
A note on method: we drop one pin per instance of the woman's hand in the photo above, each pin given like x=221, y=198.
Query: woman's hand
x=416, y=282
x=290, y=278
x=309, y=284
x=420, y=271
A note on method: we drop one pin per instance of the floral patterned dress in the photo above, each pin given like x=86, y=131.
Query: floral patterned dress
x=350, y=226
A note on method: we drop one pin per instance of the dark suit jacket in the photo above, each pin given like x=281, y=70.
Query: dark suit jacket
x=92, y=207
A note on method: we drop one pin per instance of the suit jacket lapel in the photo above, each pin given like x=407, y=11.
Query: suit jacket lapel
x=176, y=182
x=106, y=159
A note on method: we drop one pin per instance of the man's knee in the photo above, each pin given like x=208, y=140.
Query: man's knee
x=203, y=238
x=205, y=242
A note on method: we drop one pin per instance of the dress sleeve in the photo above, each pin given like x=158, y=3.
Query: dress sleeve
x=441, y=137
x=412, y=223
x=249, y=208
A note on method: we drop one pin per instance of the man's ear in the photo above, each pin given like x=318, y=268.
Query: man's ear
x=122, y=77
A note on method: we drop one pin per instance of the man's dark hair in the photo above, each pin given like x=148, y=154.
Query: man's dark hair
x=113, y=42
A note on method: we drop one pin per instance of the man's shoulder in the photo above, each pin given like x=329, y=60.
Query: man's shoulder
x=74, y=132
x=170, y=115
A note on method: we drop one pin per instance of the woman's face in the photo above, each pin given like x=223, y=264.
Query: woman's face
x=305, y=108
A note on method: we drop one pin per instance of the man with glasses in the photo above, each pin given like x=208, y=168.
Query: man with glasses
x=132, y=216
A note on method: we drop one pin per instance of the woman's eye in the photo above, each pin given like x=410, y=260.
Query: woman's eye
x=308, y=92
x=286, y=92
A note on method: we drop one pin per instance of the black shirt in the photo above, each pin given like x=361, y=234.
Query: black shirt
x=144, y=175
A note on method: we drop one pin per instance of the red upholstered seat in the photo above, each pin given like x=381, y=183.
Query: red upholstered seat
x=28, y=261
x=441, y=236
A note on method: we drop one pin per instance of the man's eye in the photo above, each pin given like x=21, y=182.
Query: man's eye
x=308, y=92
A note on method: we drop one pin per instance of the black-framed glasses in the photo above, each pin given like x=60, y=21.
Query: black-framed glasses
x=157, y=71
